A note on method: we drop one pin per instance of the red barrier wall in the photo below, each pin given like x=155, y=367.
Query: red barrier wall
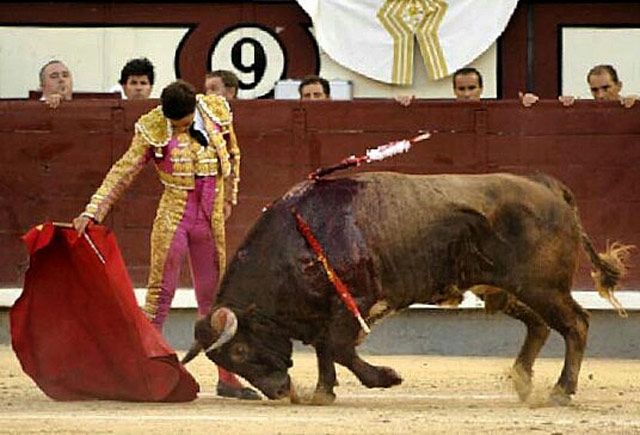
x=51, y=161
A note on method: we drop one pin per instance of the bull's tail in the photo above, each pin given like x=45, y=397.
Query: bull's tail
x=193, y=352
x=608, y=267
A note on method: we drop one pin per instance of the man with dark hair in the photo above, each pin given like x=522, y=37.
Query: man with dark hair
x=314, y=87
x=136, y=79
x=467, y=84
x=56, y=83
x=191, y=141
x=223, y=83
x=604, y=85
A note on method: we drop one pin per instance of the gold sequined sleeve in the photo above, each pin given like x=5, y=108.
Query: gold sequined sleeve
x=119, y=177
x=233, y=180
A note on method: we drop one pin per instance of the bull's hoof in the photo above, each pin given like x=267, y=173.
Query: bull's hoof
x=293, y=395
x=388, y=377
x=558, y=397
x=323, y=398
x=521, y=382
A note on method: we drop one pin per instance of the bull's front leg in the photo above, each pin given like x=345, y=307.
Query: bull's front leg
x=324, y=394
x=343, y=336
x=371, y=376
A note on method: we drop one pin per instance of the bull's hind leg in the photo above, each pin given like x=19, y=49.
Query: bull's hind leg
x=537, y=334
x=563, y=314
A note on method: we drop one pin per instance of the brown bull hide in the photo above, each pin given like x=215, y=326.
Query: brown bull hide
x=396, y=240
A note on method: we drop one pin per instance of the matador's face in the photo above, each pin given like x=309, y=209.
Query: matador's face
x=182, y=125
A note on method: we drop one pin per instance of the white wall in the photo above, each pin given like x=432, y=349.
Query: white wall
x=95, y=55
x=583, y=48
x=422, y=87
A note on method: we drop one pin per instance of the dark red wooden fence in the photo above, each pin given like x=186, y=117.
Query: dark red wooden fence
x=51, y=161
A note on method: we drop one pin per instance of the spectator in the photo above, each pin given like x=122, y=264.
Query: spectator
x=314, y=88
x=467, y=85
x=223, y=83
x=136, y=79
x=604, y=85
x=56, y=83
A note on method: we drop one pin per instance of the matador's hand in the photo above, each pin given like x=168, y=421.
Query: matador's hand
x=80, y=224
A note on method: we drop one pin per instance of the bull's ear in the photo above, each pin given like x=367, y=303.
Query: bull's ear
x=224, y=324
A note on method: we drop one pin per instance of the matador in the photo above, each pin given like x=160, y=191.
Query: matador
x=191, y=141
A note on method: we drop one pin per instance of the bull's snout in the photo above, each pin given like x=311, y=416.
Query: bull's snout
x=275, y=387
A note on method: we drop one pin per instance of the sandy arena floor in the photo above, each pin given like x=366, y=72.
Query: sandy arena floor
x=439, y=395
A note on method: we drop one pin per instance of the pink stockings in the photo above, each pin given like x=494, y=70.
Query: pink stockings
x=194, y=235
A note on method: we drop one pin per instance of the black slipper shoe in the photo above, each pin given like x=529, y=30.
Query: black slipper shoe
x=244, y=393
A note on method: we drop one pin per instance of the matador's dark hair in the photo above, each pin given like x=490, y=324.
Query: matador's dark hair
x=178, y=100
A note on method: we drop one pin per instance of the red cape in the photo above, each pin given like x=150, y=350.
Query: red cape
x=78, y=331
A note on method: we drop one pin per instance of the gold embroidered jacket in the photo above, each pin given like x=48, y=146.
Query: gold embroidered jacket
x=177, y=160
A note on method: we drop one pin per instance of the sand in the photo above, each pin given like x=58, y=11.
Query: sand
x=466, y=395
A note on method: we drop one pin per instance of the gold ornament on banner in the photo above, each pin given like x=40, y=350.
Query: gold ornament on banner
x=407, y=20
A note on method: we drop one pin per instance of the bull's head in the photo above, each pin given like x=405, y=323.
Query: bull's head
x=248, y=345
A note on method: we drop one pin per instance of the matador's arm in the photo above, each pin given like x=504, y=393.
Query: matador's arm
x=119, y=177
x=233, y=180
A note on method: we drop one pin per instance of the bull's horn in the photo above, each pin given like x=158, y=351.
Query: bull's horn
x=193, y=352
x=223, y=318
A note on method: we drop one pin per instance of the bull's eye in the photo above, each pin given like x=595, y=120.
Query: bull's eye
x=239, y=352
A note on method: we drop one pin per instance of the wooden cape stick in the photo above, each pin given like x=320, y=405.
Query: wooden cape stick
x=86, y=237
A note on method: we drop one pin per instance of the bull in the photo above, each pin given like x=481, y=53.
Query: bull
x=396, y=240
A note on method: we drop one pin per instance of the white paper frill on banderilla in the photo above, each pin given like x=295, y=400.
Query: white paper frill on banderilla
x=376, y=38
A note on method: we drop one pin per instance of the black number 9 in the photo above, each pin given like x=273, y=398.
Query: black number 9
x=254, y=53
x=258, y=66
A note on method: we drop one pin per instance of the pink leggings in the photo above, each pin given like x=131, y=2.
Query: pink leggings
x=193, y=234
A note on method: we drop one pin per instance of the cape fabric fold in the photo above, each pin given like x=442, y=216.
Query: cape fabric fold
x=78, y=331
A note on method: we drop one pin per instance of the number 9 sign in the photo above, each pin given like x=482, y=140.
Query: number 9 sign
x=254, y=54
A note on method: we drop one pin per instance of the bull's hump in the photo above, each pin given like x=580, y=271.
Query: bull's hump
x=298, y=190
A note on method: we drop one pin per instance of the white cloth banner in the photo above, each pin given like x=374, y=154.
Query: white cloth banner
x=376, y=37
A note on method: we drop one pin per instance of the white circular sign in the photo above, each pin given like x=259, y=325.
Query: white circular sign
x=254, y=54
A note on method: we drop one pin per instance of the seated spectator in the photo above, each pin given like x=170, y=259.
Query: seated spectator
x=136, y=79
x=314, y=88
x=56, y=83
x=604, y=85
x=467, y=86
x=223, y=83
